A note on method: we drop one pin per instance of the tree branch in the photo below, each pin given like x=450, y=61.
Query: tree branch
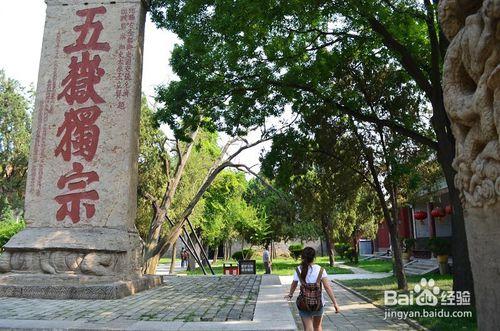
x=419, y=138
x=406, y=58
x=359, y=172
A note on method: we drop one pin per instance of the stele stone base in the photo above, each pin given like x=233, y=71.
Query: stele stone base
x=67, y=287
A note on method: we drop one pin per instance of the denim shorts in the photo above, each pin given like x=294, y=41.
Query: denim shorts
x=310, y=314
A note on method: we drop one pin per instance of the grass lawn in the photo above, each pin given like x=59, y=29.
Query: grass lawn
x=281, y=266
x=373, y=265
x=374, y=289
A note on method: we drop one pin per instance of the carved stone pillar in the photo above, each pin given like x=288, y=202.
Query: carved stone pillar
x=471, y=86
x=80, y=240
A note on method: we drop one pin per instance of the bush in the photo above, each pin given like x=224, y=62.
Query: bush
x=342, y=249
x=246, y=254
x=6, y=212
x=440, y=246
x=296, y=250
x=8, y=229
x=408, y=244
x=352, y=255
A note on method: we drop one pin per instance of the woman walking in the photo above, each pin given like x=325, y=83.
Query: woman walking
x=310, y=301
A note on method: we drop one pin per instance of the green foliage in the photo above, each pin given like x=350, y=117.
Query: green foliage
x=246, y=254
x=408, y=244
x=246, y=59
x=341, y=249
x=352, y=255
x=219, y=222
x=15, y=131
x=6, y=213
x=158, y=161
x=296, y=250
x=152, y=156
x=439, y=246
x=228, y=215
x=275, y=209
x=8, y=229
x=204, y=154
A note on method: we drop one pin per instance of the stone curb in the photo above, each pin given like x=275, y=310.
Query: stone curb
x=408, y=321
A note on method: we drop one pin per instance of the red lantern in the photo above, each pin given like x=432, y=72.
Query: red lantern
x=420, y=215
x=448, y=209
x=438, y=212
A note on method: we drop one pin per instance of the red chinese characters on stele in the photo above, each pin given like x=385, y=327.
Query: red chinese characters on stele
x=76, y=181
x=79, y=132
x=79, y=84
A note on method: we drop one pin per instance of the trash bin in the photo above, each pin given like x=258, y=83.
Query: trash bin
x=229, y=269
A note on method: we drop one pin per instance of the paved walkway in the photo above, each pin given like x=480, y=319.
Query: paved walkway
x=193, y=303
x=163, y=269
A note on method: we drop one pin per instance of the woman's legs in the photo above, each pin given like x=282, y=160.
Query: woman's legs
x=307, y=322
x=317, y=323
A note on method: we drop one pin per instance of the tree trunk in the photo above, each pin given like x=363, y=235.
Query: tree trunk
x=329, y=242
x=216, y=253
x=395, y=242
x=172, y=261
x=205, y=262
x=462, y=274
x=151, y=244
x=151, y=264
x=196, y=250
x=397, y=255
x=164, y=242
x=392, y=225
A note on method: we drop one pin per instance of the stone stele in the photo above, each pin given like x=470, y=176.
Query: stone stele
x=80, y=241
x=471, y=86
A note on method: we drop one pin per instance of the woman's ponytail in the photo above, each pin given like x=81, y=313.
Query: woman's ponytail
x=308, y=255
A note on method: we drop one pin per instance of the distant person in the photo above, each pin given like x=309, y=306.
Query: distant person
x=186, y=258
x=183, y=257
x=310, y=301
x=266, y=258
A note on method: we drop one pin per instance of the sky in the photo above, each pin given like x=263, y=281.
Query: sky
x=21, y=33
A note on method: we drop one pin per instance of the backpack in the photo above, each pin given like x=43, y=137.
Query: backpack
x=309, y=298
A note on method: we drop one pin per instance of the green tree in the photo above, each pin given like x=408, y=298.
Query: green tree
x=218, y=227
x=15, y=131
x=174, y=182
x=245, y=60
x=6, y=212
x=277, y=209
x=300, y=163
x=152, y=162
x=228, y=215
